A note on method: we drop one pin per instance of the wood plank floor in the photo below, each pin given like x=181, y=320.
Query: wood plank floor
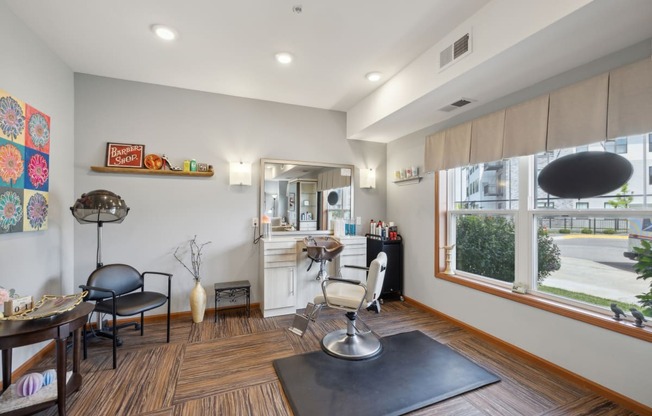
x=226, y=369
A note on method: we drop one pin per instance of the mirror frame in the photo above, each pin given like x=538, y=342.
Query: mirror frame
x=261, y=194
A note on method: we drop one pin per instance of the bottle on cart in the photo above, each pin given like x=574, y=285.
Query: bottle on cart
x=379, y=228
x=372, y=227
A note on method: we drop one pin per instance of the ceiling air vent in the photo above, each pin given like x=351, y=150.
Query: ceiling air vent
x=457, y=104
x=452, y=53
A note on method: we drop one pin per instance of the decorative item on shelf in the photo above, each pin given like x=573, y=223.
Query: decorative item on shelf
x=166, y=163
x=124, y=155
x=29, y=384
x=99, y=207
x=407, y=175
x=617, y=312
x=639, y=318
x=202, y=167
x=49, y=376
x=198, y=293
x=240, y=174
x=6, y=296
x=449, y=250
x=153, y=162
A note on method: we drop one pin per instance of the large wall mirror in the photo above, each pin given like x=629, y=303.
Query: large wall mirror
x=304, y=197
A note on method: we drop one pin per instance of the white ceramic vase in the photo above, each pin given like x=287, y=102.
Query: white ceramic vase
x=198, y=302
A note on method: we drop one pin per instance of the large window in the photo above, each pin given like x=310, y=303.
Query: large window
x=510, y=233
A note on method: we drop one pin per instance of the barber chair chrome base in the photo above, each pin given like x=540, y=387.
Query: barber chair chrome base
x=350, y=343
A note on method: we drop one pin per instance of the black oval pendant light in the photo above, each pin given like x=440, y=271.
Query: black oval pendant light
x=585, y=174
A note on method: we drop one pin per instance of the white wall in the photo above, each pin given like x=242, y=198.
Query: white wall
x=618, y=362
x=38, y=263
x=212, y=128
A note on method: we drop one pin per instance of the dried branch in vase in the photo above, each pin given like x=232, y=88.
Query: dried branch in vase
x=195, y=257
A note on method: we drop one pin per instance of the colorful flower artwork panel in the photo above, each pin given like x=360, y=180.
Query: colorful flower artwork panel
x=12, y=164
x=37, y=170
x=35, y=212
x=11, y=210
x=12, y=118
x=24, y=166
x=37, y=130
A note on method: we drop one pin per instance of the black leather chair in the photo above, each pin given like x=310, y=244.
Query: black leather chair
x=119, y=290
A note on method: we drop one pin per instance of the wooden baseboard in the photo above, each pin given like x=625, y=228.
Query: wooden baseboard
x=589, y=384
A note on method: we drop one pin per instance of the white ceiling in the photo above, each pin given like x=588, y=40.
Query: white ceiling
x=228, y=47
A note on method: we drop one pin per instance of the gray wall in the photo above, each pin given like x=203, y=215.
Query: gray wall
x=167, y=211
x=38, y=263
x=618, y=362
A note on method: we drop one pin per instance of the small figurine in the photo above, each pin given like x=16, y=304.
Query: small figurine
x=618, y=312
x=166, y=162
x=639, y=317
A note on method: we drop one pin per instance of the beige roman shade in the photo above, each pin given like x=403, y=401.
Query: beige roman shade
x=434, y=157
x=630, y=100
x=526, y=128
x=487, y=138
x=458, y=146
x=610, y=105
x=332, y=179
x=578, y=113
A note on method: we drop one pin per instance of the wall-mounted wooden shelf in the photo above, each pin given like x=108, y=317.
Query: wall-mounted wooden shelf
x=409, y=181
x=137, y=171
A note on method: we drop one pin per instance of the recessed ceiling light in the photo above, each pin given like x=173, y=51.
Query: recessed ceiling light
x=374, y=76
x=284, y=57
x=164, y=32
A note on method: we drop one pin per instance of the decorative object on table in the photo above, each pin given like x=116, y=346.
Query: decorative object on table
x=449, y=250
x=49, y=305
x=639, y=317
x=6, y=295
x=16, y=306
x=153, y=162
x=99, y=207
x=124, y=155
x=49, y=376
x=24, y=166
x=585, y=174
x=166, y=163
x=198, y=293
x=617, y=312
x=29, y=384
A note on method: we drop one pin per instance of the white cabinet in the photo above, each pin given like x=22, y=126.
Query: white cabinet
x=279, y=287
x=278, y=265
x=288, y=285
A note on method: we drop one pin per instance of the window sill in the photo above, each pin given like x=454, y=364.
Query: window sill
x=623, y=327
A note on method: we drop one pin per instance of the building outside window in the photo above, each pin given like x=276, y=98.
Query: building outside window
x=576, y=252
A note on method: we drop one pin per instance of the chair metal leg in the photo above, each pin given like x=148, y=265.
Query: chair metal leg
x=115, y=343
x=142, y=323
x=168, y=321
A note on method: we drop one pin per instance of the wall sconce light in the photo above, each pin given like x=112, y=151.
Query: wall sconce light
x=240, y=174
x=367, y=178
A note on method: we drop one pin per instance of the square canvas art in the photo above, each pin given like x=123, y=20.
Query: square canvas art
x=24, y=166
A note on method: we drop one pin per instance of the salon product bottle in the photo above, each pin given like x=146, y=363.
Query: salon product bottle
x=193, y=165
x=372, y=227
x=186, y=166
x=379, y=228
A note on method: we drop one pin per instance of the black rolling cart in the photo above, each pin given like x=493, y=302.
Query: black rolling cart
x=393, y=284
